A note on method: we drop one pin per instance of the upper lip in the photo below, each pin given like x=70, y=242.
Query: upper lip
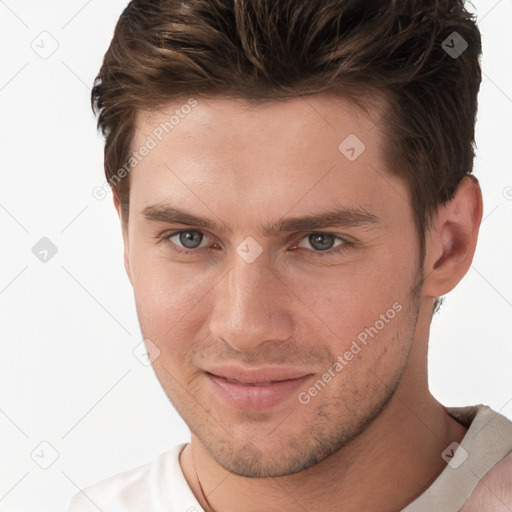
x=256, y=375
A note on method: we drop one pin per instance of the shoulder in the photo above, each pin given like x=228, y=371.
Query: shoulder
x=494, y=491
x=134, y=489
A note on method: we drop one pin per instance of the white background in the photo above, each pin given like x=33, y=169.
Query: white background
x=68, y=375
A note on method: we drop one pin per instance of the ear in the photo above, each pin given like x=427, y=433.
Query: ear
x=117, y=205
x=451, y=241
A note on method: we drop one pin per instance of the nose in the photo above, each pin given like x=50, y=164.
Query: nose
x=251, y=306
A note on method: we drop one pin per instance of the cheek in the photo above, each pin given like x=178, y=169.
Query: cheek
x=347, y=297
x=171, y=301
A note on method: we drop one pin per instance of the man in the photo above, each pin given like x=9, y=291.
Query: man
x=293, y=180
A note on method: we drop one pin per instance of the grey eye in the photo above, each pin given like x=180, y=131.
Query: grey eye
x=321, y=241
x=189, y=239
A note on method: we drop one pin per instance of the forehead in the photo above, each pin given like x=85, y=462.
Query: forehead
x=219, y=153
x=324, y=116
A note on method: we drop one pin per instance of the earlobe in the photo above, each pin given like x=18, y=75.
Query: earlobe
x=127, y=263
x=126, y=257
x=117, y=204
x=451, y=241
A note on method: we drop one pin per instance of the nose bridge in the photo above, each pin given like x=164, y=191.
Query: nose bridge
x=248, y=307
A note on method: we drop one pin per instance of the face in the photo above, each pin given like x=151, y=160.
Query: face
x=274, y=267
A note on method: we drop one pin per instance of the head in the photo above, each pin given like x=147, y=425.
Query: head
x=253, y=116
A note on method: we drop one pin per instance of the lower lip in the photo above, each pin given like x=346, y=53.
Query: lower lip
x=255, y=397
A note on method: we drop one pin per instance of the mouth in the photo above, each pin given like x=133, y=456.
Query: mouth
x=252, y=383
x=257, y=390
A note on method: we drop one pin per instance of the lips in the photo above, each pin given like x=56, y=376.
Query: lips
x=263, y=375
x=252, y=383
x=255, y=389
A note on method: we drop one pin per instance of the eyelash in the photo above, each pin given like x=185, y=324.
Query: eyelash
x=347, y=244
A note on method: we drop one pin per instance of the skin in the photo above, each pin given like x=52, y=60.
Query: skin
x=366, y=430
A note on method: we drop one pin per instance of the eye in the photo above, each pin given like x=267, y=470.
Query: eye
x=186, y=239
x=324, y=242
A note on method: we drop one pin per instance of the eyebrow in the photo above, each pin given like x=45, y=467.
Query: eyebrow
x=335, y=217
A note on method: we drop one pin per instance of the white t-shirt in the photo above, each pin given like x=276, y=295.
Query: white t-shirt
x=478, y=477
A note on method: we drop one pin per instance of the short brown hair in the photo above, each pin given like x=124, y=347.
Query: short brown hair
x=267, y=50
